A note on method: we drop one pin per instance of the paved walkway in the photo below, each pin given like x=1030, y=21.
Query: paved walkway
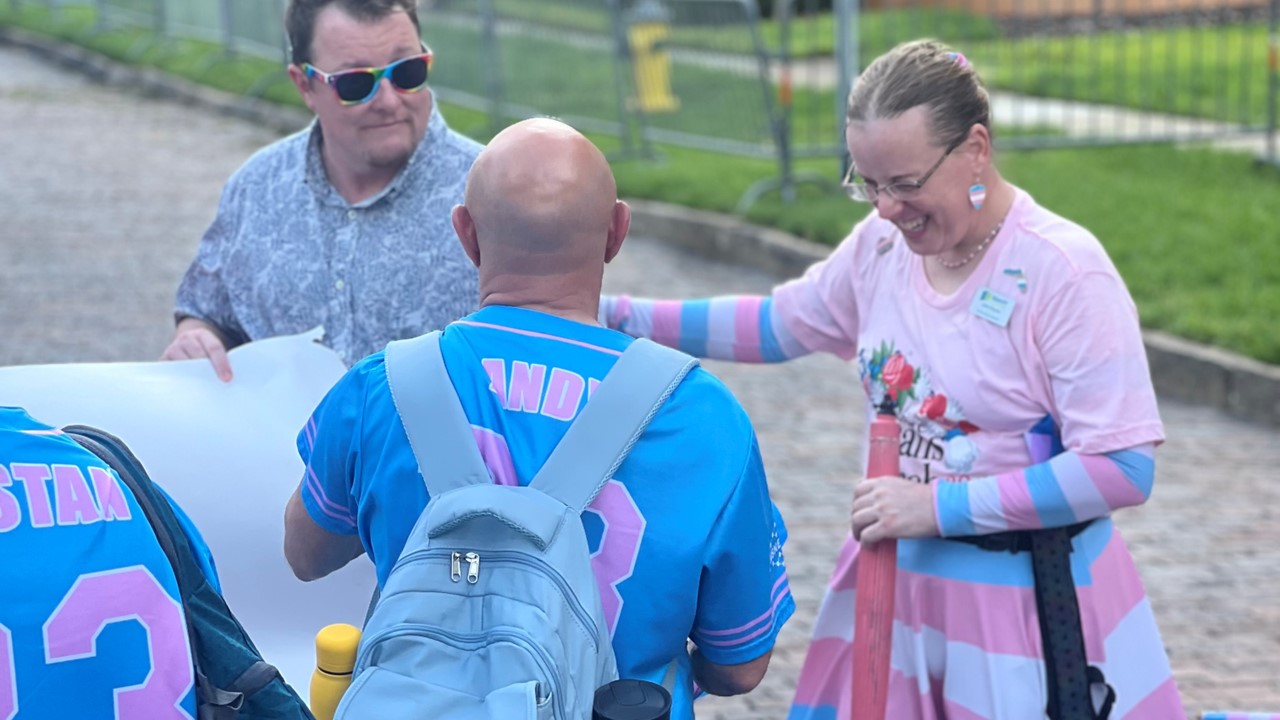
x=104, y=196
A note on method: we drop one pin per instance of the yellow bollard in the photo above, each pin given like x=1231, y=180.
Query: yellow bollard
x=335, y=658
x=647, y=34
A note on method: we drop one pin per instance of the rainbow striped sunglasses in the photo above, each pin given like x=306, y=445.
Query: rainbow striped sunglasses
x=359, y=85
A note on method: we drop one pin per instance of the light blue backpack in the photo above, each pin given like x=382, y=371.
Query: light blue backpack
x=492, y=610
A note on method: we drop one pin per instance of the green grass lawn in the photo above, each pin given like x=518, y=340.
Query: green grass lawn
x=582, y=82
x=1195, y=233
x=1218, y=72
x=722, y=26
x=565, y=62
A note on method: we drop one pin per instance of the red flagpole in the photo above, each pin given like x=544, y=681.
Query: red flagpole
x=877, y=571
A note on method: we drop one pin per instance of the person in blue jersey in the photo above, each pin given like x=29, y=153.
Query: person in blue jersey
x=90, y=621
x=687, y=544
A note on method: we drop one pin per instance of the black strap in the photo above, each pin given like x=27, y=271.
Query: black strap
x=254, y=678
x=1069, y=677
x=1012, y=541
x=1065, y=664
x=1098, y=680
x=214, y=703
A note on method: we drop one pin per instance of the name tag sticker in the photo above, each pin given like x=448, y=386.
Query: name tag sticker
x=992, y=307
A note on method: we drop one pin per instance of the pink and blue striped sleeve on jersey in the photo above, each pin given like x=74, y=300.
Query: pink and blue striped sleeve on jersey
x=742, y=328
x=323, y=488
x=1067, y=489
x=759, y=632
x=744, y=596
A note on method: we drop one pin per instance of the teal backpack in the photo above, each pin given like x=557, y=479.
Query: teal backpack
x=233, y=682
x=492, y=610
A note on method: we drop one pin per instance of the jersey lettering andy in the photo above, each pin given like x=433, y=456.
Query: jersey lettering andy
x=685, y=540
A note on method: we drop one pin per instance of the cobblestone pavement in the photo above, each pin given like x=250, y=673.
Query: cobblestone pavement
x=105, y=194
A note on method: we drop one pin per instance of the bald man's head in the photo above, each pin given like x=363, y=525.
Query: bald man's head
x=541, y=199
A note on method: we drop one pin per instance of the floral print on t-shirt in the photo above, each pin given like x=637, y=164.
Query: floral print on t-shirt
x=925, y=412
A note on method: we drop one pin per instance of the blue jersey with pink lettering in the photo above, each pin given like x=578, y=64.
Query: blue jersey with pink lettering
x=685, y=540
x=90, y=624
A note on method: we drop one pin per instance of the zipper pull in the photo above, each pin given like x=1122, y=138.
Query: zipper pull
x=473, y=567
x=455, y=567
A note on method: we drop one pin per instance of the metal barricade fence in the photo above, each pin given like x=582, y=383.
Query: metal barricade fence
x=1095, y=72
x=255, y=27
x=520, y=58
x=707, y=83
x=714, y=74
x=148, y=14
x=693, y=73
x=194, y=20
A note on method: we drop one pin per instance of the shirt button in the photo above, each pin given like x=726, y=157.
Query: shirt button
x=339, y=284
x=351, y=214
x=342, y=354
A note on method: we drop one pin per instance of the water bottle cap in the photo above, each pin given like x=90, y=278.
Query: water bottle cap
x=336, y=648
x=632, y=700
x=888, y=406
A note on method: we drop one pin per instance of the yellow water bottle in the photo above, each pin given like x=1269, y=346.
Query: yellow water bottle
x=335, y=658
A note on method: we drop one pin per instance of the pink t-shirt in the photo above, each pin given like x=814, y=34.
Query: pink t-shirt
x=1044, y=326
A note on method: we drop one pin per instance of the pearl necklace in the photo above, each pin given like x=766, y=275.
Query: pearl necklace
x=969, y=258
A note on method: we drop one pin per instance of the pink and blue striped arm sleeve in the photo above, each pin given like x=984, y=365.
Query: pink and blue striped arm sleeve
x=742, y=328
x=1069, y=488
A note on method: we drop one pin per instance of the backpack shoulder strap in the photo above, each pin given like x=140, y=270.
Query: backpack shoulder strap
x=614, y=418
x=110, y=450
x=214, y=702
x=433, y=418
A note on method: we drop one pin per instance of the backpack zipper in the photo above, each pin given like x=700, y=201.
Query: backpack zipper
x=473, y=641
x=513, y=558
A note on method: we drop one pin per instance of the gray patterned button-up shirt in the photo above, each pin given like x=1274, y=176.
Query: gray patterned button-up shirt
x=287, y=253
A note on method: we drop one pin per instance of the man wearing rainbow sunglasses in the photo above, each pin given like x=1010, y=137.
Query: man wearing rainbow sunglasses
x=346, y=223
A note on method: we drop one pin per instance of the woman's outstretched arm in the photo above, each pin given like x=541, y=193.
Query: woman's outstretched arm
x=742, y=328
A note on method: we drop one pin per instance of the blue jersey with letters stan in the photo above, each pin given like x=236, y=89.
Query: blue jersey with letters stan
x=685, y=540
x=89, y=623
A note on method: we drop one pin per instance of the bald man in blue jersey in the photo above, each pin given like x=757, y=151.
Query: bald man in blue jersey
x=90, y=622
x=686, y=544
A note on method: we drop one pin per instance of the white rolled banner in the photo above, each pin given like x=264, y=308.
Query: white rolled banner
x=226, y=452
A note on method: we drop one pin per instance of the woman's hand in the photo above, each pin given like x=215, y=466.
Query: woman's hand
x=892, y=507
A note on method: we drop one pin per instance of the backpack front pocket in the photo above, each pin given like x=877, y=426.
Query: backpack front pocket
x=379, y=694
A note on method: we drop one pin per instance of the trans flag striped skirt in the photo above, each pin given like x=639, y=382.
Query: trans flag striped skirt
x=966, y=639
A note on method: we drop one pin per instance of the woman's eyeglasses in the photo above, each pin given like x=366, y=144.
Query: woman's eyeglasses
x=359, y=85
x=904, y=190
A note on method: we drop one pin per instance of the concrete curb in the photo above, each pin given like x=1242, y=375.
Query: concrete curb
x=1182, y=370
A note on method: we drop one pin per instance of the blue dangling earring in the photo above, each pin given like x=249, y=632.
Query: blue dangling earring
x=977, y=194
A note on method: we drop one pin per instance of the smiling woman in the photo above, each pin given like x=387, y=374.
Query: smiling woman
x=1012, y=350
x=895, y=123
